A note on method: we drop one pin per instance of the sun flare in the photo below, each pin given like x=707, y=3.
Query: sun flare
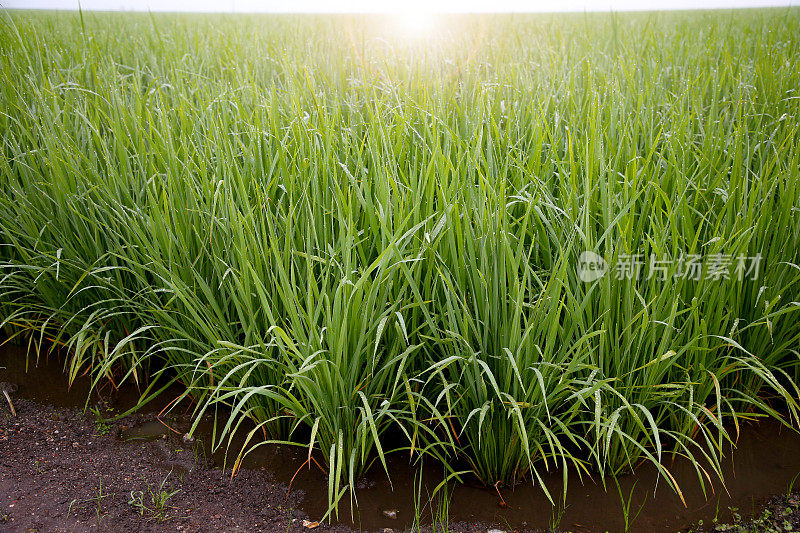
x=416, y=21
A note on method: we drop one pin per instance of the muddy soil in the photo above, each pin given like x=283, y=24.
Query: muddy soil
x=64, y=467
x=778, y=514
x=62, y=471
x=67, y=469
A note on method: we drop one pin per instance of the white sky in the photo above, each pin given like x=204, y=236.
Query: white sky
x=338, y=6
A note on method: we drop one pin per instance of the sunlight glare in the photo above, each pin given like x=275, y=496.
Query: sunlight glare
x=416, y=21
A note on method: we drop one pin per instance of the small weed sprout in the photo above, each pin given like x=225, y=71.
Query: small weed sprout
x=153, y=502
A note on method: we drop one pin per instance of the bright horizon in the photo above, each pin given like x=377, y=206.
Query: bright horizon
x=390, y=6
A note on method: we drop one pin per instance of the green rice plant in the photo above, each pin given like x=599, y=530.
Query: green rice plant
x=513, y=407
x=437, y=504
x=345, y=374
x=335, y=235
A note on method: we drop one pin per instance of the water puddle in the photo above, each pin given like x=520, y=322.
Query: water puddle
x=764, y=464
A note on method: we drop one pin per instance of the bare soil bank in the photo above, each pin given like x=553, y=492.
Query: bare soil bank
x=58, y=473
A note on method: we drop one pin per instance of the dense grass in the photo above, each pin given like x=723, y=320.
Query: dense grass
x=342, y=233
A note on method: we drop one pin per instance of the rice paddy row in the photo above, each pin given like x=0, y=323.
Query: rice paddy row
x=330, y=232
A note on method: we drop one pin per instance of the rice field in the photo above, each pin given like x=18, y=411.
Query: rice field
x=512, y=244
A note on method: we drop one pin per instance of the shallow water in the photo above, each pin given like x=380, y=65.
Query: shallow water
x=764, y=463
